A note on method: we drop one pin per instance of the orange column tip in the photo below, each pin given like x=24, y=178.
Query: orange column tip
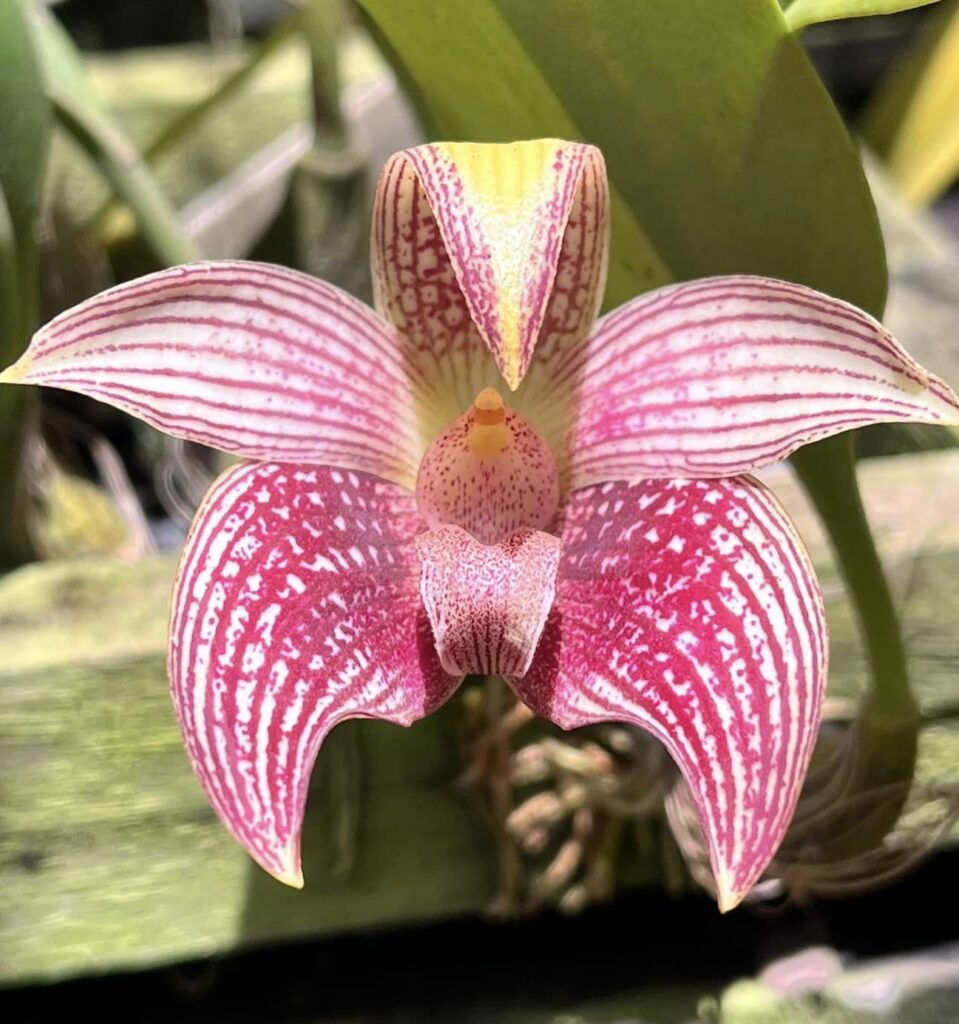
x=489, y=408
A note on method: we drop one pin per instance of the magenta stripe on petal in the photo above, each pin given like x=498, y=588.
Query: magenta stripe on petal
x=689, y=608
x=253, y=359
x=296, y=606
x=728, y=374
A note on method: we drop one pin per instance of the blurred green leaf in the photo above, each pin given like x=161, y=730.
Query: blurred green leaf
x=706, y=114
x=76, y=518
x=9, y=278
x=25, y=127
x=82, y=114
x=121, y=165
x=323, y=225
x=800, y=13
x=61, y=62
x=913, y=119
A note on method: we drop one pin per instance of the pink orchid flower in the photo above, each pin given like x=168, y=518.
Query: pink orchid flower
x=399, y=526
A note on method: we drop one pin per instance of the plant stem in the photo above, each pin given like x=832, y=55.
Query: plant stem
x=886, y=733
x=130, y=178
x=322, y=25
x=832, y=486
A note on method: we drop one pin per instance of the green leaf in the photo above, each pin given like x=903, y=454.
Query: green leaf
x=25, y=132
x=82, y=114
x=24, y=143
x=24, y=117
x=705, y=113
x=913, y=119
x=800, y=13
x=61, y=63
x=9, y=277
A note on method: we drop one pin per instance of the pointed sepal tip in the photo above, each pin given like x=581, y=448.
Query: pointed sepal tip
x=14, y=374
x=290, y=873
x=727, y=896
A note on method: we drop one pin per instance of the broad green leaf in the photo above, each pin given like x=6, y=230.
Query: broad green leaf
x=724, y=150
x=24, y=120
x=913, y=121
x=25, y=132
x=800, y=13
x=9, y=279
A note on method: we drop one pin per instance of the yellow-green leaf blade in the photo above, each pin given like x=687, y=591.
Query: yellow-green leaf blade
x=800, y=13
x=703, y=111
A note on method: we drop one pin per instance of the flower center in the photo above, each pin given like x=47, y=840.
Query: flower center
x=490, y=472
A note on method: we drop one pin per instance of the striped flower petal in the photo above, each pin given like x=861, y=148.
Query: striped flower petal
x=296, y=606
x=720, y=376
x=487, y=603
x=502, y=244
x=246, y=357
x=689, y=608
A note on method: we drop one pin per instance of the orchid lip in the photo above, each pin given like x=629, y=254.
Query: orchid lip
x=487, y=603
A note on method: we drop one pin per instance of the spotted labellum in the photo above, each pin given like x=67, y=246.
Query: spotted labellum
x=481, y=477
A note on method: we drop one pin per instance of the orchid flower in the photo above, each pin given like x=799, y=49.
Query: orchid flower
x=398, y=523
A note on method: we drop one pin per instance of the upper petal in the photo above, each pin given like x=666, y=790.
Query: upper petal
x=689, y=608
x=296, y=606
x=502, y=244
x=247, y=357
x=723, y=375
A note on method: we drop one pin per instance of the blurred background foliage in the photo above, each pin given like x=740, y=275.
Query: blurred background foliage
x=140, y=135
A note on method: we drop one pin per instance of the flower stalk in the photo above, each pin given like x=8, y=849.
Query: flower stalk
x=832, y=485
x=885, y=735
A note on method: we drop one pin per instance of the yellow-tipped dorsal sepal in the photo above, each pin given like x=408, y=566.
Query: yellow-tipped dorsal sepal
x=490, y=472
x=505, y=243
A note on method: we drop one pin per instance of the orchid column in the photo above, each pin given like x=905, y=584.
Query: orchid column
x=481, y=478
